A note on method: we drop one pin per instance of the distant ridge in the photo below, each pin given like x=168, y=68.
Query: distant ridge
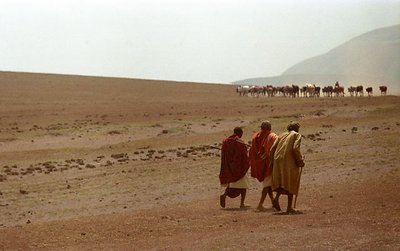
x=370, y=59
x=6, y=75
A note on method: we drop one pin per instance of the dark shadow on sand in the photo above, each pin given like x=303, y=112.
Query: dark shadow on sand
x=236, y=208
x=265, y=210
x=291, y=213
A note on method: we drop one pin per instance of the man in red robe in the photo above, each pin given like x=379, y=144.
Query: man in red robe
x=260, y=160
x=234, y=166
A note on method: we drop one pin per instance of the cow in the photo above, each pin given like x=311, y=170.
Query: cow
x=295, y=91
x=310, y=90
x=270, y=91
x=288, y=90
x=327, y=90
x=352, y=90
x=360, y=90
x=257, y=90
x=383, y=89
x=318, y=91
x=243, y=90
x=303, y=91
x=264, y=90
x=281, y=90
x=369, y=91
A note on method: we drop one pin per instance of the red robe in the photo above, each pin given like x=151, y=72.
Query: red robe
x=234, y=160
x=260, y=154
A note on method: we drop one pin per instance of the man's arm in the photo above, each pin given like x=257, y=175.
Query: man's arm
x=272, y=152
x=296, y=151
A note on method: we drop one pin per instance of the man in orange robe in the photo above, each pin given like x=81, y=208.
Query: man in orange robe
x=260, y=160
x=234, y=166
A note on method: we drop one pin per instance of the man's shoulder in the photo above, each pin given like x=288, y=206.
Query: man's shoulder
x=256, y=135
x=233, y=140
x=284, y=134
x=272, y=135
x=239, y=140
x=230, y=138
x=294, y=133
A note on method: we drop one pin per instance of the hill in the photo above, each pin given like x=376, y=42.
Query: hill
x=369, y=59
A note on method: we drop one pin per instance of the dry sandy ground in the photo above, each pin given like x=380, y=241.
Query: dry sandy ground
x=116, y=164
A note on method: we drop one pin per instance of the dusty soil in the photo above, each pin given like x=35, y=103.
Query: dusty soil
x=116, y=164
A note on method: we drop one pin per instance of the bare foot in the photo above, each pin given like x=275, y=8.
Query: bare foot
x=222, y=201
x=244, y=206
x=276, y=205
x=261, y=208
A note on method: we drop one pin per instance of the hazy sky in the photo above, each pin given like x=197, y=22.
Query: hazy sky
x=216, y=41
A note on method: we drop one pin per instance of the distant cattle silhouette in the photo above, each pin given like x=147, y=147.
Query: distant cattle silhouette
x=369, y=91
x=295, y=91
x=327, y=91
x=256, y=91
x=352, y=90
x=287, y=91
x=270, y=91
x=317, y=91
x=383, y=89
x=243, y=90
x=310, y=90
x=360, y=90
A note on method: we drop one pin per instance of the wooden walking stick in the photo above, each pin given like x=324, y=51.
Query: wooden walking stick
x=298, y=185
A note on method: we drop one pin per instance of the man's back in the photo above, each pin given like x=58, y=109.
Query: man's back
x=234, y=160
x=288, y=147
x=260, y=154
x=286, y=161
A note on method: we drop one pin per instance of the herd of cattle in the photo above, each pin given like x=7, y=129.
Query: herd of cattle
x=309, y=90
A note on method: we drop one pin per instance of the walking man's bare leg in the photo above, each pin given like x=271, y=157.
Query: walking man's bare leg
x=265, y=191
x=222, y=200
x=262, y=199
x=275, y=202
x=289, y=205
x=242, y=198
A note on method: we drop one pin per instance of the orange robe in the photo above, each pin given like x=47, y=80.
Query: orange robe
x=260, y=154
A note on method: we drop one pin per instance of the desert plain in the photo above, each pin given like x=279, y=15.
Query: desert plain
x=92, y=163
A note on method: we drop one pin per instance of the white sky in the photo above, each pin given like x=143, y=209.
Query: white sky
x=216, y=41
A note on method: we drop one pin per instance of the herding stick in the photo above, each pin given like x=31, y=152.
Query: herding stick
x=298, y=187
